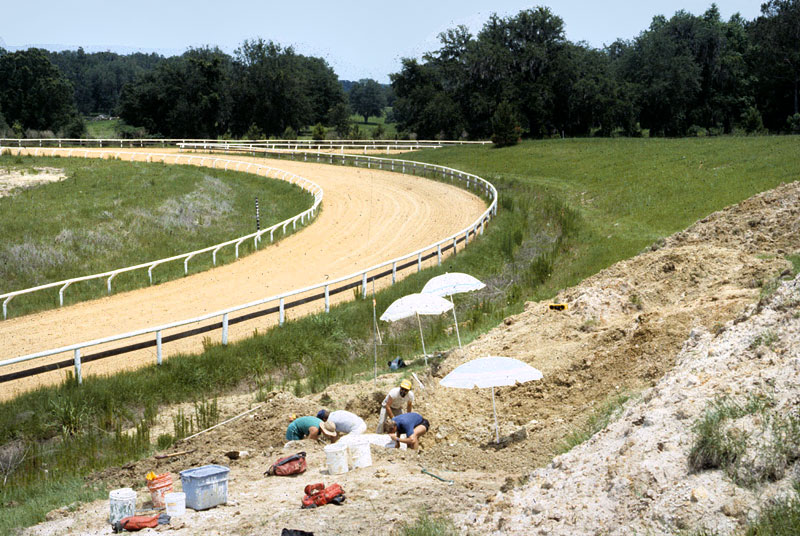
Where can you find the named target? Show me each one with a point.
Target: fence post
(419, 262)
(364, 287)
(225, 329)
(78, 366)
(158, 347)
(439, 254)
(61, 295)
(394, 272)
(327, 300)
(455, 243)
(280, 313)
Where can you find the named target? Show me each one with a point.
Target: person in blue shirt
(413, 425)
(303, 427)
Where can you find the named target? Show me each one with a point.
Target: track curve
(368, 216)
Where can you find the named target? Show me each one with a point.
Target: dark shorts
(426, 424)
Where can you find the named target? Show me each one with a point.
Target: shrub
(426, 525)
(355, 133)
(126, 131)
(505, 126)
(289, 134)
(696, 131)
(793, 122)
(253, 133)
(318, 132)
(751, 121)
(165, 441)
(715, 446)
(780, 519)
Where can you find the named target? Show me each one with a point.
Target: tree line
(519, 76)
(686, 75)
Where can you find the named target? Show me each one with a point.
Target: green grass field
(110, 214)
(631, 192)
(568, 208)
(368, 129)
(102, 129)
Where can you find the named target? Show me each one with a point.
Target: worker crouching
(399, 400)
(413, 425)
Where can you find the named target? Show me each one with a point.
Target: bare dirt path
(368, 216)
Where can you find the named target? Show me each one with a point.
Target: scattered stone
(699, 494)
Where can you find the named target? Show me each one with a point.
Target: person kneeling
(340, 422)
(413, 425)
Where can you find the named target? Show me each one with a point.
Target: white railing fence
(365, 145)
(303, 218)
(279, 302)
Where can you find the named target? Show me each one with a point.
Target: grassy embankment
(568, 209)
(110, 214)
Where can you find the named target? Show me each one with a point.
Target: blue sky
(358, 39)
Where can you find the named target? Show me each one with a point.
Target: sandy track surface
(368, 216)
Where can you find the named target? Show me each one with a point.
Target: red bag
(291, 465)
(320, 497)
(134, 523)
(311, 489)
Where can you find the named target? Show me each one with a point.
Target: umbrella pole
(455, 320)
(374, 330)
(423, 340)
(496, 429)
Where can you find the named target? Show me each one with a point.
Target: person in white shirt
(340, 422)
(399, 400)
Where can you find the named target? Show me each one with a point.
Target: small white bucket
(122, 503)
(336, 456)
(360, 454)
(176, 503)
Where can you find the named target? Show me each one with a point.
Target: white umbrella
(449, 284)
(416, 304)
(491, 371)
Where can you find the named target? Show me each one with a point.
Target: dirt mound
(636, 476)
(765, 223)
(622, 332)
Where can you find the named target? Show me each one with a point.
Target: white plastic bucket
(336, 456)
(122, 503)
(176, 503)
(360, 454)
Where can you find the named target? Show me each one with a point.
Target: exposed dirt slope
(623, 331)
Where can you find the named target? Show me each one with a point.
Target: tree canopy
(681, 76)
(367, 98)
(98, 78)
(35, 95)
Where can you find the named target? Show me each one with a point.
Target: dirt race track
(367, 217)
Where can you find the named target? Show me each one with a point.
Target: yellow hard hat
(405, 384)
